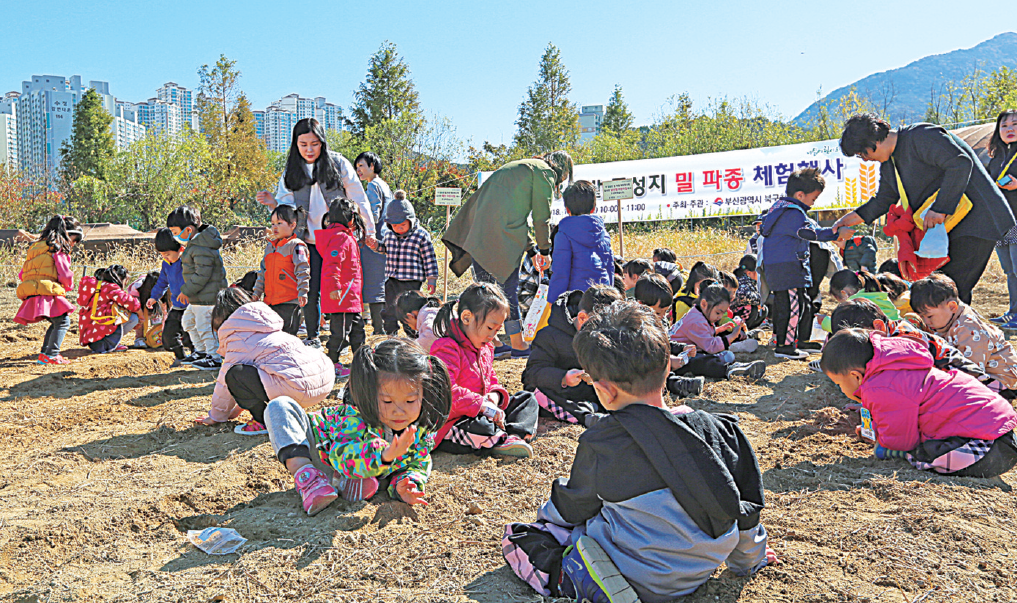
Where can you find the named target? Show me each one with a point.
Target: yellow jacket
(39, 275)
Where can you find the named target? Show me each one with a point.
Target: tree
(91, 144)
(617, 117)
(387, 93)
(547, 120)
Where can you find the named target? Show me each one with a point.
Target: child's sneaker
(208, 364)
(755, 334)
(745, 346)
(502, 351)
(790, 352)
(58, 359)
(313, 342)
(342, 373)
(1004, 318)
(139, 344)
(814, 366)
(588, 574)
(686, 387)
(119, 348)
(251, 428)
(314, 489)
(752, 370)
(811, 346)
(192, 358)
(516, 354)
(356, 490)
(513, 445)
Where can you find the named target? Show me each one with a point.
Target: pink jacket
(695, 329)
(472, 374)
(340, 270)
(253, 336)
(911, 401)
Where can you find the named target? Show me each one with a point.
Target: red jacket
(472, 374)
(88, 330)
(340, 270)
(911, 401)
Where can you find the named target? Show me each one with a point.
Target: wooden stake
(444, 293)
(621, 235)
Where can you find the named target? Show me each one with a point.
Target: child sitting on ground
(714, 357)
(45, 278)
(686, 299)
(936, 300)
(261, 362)
(944, 421)
(787, 230)
(613, 533)
(653, 291)
(552, 371)
(898, 290)
(171, 278)
(342, 279)
(631, 271)
(410, 257)
(204, 277)
(848, 284)
(381, 435)
(285, 275)
(859, 252)
(582, 248)
(746, 303)
(417, 313)
(107, 311)
(483, 415)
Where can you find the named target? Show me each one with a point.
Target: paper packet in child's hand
(867, 431)
(216, 541)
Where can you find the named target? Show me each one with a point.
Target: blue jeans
(54, 338)
(111, 341)
(1007, 255)
(514, 325)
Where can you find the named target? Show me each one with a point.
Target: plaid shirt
(410, 256)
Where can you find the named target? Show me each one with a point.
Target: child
(937, 301)
(657, 498)
(285, 275)
(341, 279)
(410, 259)
(663, 254)
(700, 272)
(892, 266)
(699, 327)
(45, 278)
(552, 371)
(582, 248)
(107, 311)
(483, 415)
(673, 273)
(944, 421)
(261, 362)
(898, 290)
(848, 284)
(204, 276)
(860, 252)
(171, 278)
(653, 291)
(382, 433)
(747, 303)
(787, 231)
(631, 271)
(417, 314)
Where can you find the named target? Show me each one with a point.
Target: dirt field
(102, 472)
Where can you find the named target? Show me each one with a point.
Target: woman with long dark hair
(1003, 171)
(369, 167)
(314, 176)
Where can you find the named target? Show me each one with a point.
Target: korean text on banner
(725, 184)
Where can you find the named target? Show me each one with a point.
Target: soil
(102, 472)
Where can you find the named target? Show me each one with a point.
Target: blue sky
(473, 61)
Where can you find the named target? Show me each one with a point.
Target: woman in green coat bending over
(491, 231)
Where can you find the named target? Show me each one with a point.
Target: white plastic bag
(935, 243)
(534, 316)
(216, 541)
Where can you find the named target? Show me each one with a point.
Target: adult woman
(927, 158)
(314, 176)
(491, 232)
(372, 263)
(1003, 152)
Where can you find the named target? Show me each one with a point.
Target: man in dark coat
(927, 158)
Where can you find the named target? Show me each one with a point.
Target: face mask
(180, 239)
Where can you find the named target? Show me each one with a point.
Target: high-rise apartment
(44, 117)
(9, 130)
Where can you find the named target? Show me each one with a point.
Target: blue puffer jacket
(787, 231)
(582, 255)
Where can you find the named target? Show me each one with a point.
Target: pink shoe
(341, 372)
(513, 445)
(251, 428)
(314, 489)
(58, 359)
(356, 490)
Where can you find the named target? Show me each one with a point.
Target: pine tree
(386, 93)
(617, 118)
(91, 145)
(547, 120)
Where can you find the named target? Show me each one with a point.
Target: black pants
(703, 365)
(345, 328)
(312, 310)
(377, 320)
(244, 383)
(174, 338)
(470, 434)
(392, 290)
(968, 258)
(291, 315)
(819, 264)
(792, 317)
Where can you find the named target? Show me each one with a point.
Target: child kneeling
(610, 532)
(483, 415)
(944, 421)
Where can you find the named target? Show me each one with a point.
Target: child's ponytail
(59, 232)
(850, 281)
(479, 298)
(700, 271)
(443, 319)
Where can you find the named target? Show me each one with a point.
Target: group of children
(932, 374)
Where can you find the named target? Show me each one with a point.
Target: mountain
(908, 88)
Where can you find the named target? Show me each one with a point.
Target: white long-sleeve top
(351, 184)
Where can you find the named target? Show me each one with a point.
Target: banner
(732, 183)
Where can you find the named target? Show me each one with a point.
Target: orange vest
(280, 277)
(39, 275)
